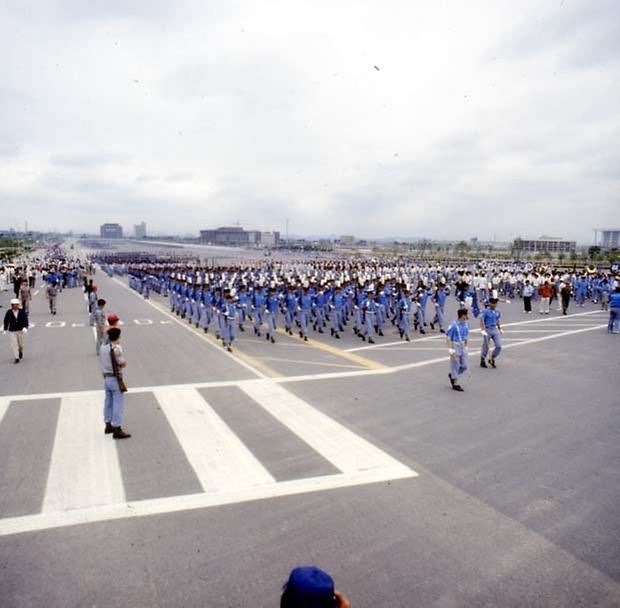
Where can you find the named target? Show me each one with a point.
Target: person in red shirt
(545, 292)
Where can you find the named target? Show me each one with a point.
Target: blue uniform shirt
(458, 331)
(614, 300)
(490, 317)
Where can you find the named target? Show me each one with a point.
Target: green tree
(594, 251)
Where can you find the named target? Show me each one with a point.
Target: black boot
(455, 386)
(118, 433)
(108, 428)
(482, 362)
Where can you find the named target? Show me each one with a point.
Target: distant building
(235, 235)
(270, 239)
(347, 240)
(111, 231)
(610, 239)
(140, 230)
(548, 244)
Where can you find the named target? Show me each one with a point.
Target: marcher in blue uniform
(273, 305)
(229, 314)
(337, 307)
(405, 307)
(491, 330)
(370, 313)
(304, 309)
(259, 300)
(614, 311)
(439, 299)
(320, 301)
(290, 303)
(457, 336)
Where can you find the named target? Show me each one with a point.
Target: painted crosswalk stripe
(221, 461)
(84, 470)
(344, 449)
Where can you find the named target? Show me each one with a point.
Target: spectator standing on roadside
(545, 292)
(112, 357)
(16, 323)
(528, 292)
(566, 292)
(51, 293)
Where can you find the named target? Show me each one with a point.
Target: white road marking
(166, 322)
(45, 521)
(84, 470)
(299, 378)
(4, 406)
(221, 461)
(143, 321)
(409, 366)
(410, 350)
(77, 324)
(344, 449)
(55, 324)
(476, 330)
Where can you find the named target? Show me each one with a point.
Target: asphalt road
(355, 457)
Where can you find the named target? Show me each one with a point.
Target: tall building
(235, 235)
(111, 231)
(546, 244)
(610, 239)
(140, 230)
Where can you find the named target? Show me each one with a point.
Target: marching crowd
(330, 295)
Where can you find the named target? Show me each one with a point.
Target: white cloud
(483, 118)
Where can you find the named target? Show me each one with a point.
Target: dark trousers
(527, 303)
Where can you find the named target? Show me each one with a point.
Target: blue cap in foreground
(308, 587)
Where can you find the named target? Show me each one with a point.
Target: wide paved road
(355, 457)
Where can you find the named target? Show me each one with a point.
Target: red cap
(112, 318)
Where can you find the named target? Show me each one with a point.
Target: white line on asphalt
(84, 469)
(301, 378)
(344, 449)
(4, 406)
(408, 366)
(188, 328)
(158, 506)
(477, 330)
(221, 461)
(410, 350)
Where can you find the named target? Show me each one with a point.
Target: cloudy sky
(443, 119)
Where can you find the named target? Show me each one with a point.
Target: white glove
(451, 351)
(501, 330)
(484, 333)
(24, 330)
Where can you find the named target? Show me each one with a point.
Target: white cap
(16, 301)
